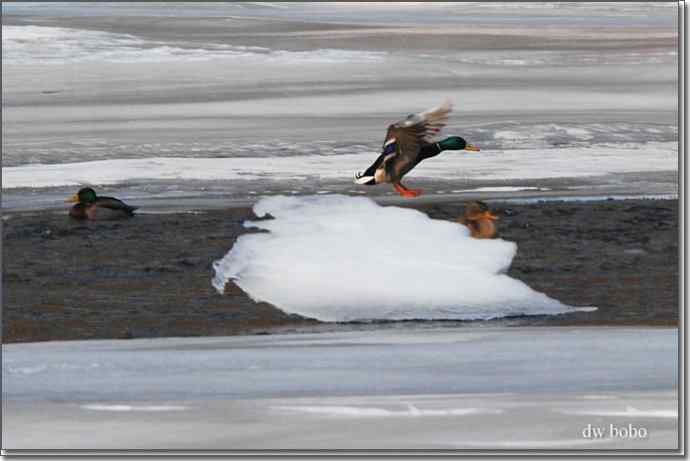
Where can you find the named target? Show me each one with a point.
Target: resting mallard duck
(479, 220)
(407, 143)
(90, 206)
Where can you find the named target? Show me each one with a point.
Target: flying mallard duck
(479, 220)
(407, 143)
(90, 206)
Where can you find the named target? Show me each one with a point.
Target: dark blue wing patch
(390, 146)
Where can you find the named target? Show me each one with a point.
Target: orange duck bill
(488, 215)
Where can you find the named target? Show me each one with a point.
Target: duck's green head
(85, 195)
(457, 143)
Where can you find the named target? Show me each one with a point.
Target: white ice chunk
(339, 258)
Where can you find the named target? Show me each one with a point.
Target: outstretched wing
(405, 139)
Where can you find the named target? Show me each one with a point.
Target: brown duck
(90, 206)
(479, 220)
(407, 143)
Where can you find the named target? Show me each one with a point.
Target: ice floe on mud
(339, 258)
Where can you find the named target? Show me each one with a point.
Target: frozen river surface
(237, 100)
(468, 388)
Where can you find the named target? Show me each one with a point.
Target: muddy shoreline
(150, 276)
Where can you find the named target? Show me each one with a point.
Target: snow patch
(490, 165)
(22, 44)
(629, 412)
(502, 189)
(368, 412)
(122, 408)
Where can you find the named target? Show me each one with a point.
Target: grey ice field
(467, 388)
(212, 105)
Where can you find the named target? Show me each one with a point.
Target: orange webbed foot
(405, 192)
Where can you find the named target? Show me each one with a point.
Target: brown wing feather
(411, 134)
(403, 160)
